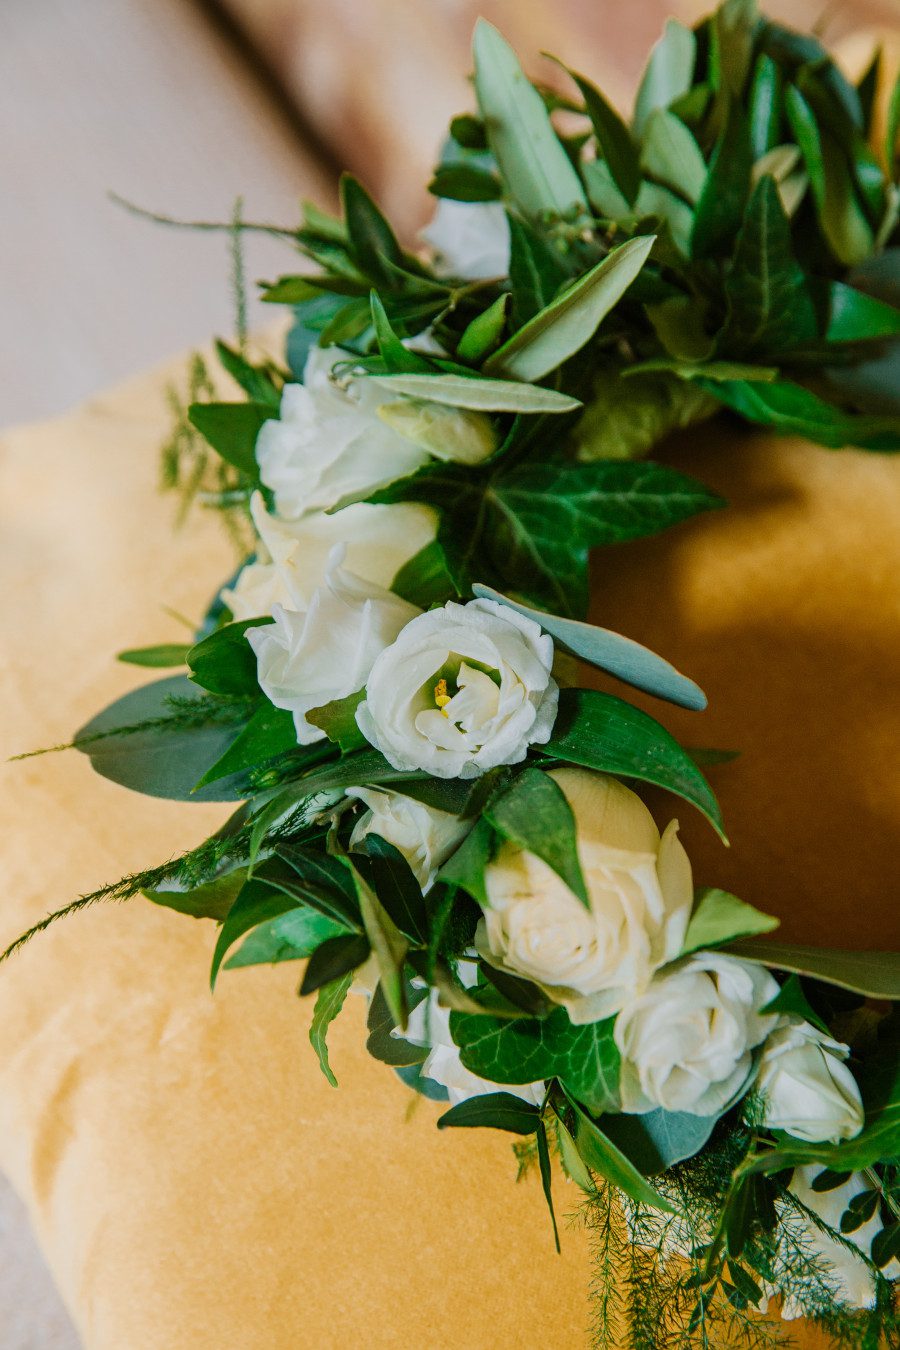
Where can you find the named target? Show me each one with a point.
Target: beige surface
(194, 1180)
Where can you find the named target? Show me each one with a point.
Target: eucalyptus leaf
(657, 1140)
(486, 395)
(536, 170)
(328, 1004)
(602, 732)
(620, 656)
(719, 917)
(562, 329)
(494, 1110)
(534, 814)
(875, 974)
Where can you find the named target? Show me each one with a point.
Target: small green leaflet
(482, 395)
(465, 867)
(256, 381)
(338, 720)
(232, 430)
(534, 814)
(602, 732)
(719, 917)
(572, 319)
(465, 183)
(620, 656)
(536, 170)
(669, 72)
(791, 999)
(875, 974)
(496, 1111)
(165, 655)
(329, 1002)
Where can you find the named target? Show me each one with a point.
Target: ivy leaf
(770, 306)
(875, 974)
(602, 1155)
(536, 170)
(571, 320)
(291, 936)
(794, 411)
(615, 140)
(619, 656)
(328, 1004)
(232, 430)
(269, 733)
(719, 917)
(602, 732)
(534, 814)
(721, 204)
(166, 654)
(669, 72)
(494, 1110)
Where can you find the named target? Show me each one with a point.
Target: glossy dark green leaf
(465, 867)
(338, 720)
(536, 270)
(269, 733)
(495, 1111)
(620, 656)
(465, 183)
(719, 917)
(291, 936)
(601, 1155)
(613, 136)
(211, 900)
(425, 580)
(232, 430)
(224, 662)
(381, 1043)
(765, 106)
(163, 656)
(388, 945)
(720, 207)
(391, 878)
(333, 959)
(328, 1004)
(372, 240)
(668, 73)
(312, 877)
(793, 410)
(602, 732)
(792, 1002)
(534, 814)
(162, 761)
(536, 170)
(256, 903)
(856, 317)
(842, 218)
(543, 1150)
(256, 381)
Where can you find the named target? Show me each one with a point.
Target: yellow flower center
(441, 697)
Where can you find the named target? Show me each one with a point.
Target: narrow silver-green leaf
(672, 156)
(563, 328)
(668, 73)
(461, 391)
(536, 170)
(720, 917)
(875, 974)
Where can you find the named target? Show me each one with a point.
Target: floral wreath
(433, 811)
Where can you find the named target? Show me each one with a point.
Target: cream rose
(469, 239)
(464, 688)
(328, 442)
(687, 1043)
(292, 556)
(425, 836)
(807, 1087)
(640, 889)
(310, 657)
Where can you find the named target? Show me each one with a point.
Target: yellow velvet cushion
(194, 1180)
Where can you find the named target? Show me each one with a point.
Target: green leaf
(620, 656)
(312, 877)
(842, 218)
(794, 411)
(225, 662)
(335, 958)
(456, 434)
(602, 1155)
(536, 270)
(669, 72)
(719, 917)
(770, 306)
(659, 1139)
(484, 332)
(792, 1001)
(495, 1111)
(469, 132)
(526, 1050)
(372, 241)
(484, 395)
(875, 974)
(338, 720)
(601, 732)
(615, 140)
(720, 207)
(535, 168)
(328, 1005)
(671, 212)
(671, 155)
(424, 580)
(568, 322)
(732, 31)
(384, 1046)
(256, 381)
(765, 106)
(391, 878)
(573, 1164)
(703, 370)
(892, 131)
(167, 654)
(388, 944)
(396, 356)
(257, 903)
(211, 900)
(465, 867)
(465, 183)
(543, 1149)
(534, 814)
(623, 419)
(269, 733)
(232, 430)
(291, 936)
(856, 317)
(162, 761)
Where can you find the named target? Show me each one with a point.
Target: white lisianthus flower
(848, 1275)
(687, 1043)
(429, 1024)
(639, 885)
(463, 689)
(328, 443)
(807, 1087)
(469, 239)
(307, 658)
(292, 556)
(424, 835)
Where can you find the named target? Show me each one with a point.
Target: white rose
(425, 836)
(848, 1275)
(640, 889)
(292, 556)
(328, 442)
(464, 688)
(470, 239)
(687, 1043)
(429, 1024)
(808, 1089)
(310, 657)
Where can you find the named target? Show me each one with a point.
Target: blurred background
(183, 106)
